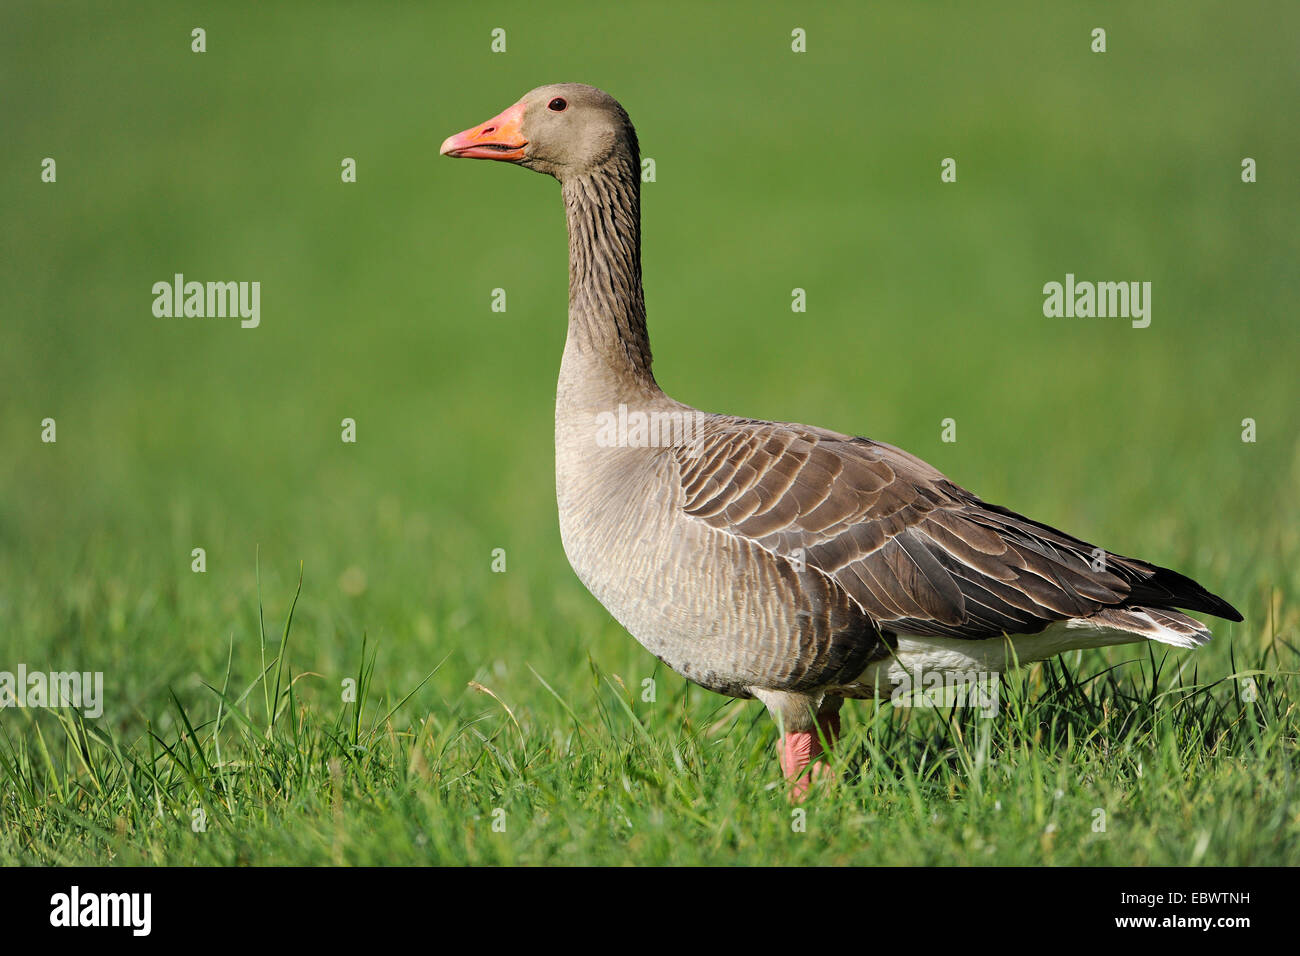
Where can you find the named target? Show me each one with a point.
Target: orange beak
(501, 137)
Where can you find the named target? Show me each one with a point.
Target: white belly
(919, 655)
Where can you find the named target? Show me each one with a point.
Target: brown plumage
(783, 561)
(918, 553)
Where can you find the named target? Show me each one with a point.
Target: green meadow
(349, 681)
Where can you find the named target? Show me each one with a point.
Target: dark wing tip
(1185, 593)
(1226, 610)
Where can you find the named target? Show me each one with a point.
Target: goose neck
(607, 322)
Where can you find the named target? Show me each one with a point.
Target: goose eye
(557, 105)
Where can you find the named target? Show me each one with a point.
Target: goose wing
(920, 554)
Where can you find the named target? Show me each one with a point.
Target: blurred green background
(775, 170)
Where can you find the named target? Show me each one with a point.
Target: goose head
(565, 130)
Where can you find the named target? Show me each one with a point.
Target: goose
(772, 560)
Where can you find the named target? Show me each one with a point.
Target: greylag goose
(783, 562)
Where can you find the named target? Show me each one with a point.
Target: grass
(335, 570)
(1121, 765)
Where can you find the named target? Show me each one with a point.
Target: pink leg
(799, 749)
